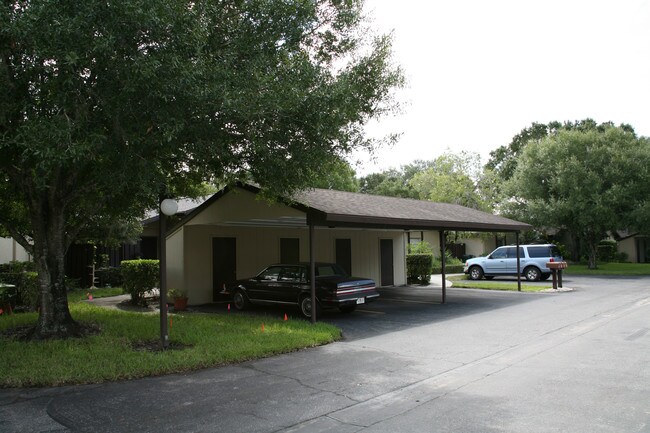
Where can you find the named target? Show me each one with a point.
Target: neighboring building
(11, 251)
(234, 234)
(636, 247)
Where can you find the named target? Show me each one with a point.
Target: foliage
(449, 268)
(139, 277)
(586, 180)
(607, 250)
(418, 268)
(109, 276)
(107, 106)
(393, 182)
(451, 178)
(174, 293)
(340, 176)
(422, 247)
(113, 355)
(25, 292)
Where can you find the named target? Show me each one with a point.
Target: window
(535, 252)
(270, 274)
(290, 274)
(512, 252)
(499, 254)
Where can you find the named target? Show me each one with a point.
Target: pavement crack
(302, 383)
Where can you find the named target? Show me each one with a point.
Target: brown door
(224, 264)
(386, 254)
(344, 254)
(289, 250)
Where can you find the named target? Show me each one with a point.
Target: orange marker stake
(262, 327)
(285, 317)
(171, 322)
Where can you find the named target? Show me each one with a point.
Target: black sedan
(289, 284)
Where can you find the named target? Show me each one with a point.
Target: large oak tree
(586, 180)
(107, 105)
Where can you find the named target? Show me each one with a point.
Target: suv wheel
(475, 273)
(532, 273)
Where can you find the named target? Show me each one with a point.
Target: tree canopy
(452, 178)
(587, 180)
(107, 106)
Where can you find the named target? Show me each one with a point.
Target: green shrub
(25, 291)
(423, 247)
(418, 268)
(139, 277)
(607, 250)
(449, 269)
(109, 277)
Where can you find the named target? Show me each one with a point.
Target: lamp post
(167, 208)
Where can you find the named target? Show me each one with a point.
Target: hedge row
(418, 268)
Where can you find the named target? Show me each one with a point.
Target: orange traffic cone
(285, 317)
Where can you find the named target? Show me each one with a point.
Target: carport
(233, 234)
(337, 209)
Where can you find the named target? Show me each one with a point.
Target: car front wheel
(475, 273)
(532, 274)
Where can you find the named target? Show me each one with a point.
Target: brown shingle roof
(337, 208)
(331, 208)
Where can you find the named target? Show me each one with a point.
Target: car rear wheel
(532, 273)
(240, 300)
(347, 308)
(475, 273)
(306, 307)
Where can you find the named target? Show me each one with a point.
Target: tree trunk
(54, 320)
(592, 256)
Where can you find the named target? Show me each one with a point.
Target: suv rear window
(535, 252)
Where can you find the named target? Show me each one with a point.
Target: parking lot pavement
(483, 362)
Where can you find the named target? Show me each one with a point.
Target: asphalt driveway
(484, 362)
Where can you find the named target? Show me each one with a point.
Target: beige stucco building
(235, 234)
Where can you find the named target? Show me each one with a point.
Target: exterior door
(224, 264)
(386, 258)
(289, 250)
(343, 253)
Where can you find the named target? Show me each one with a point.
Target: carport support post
(162, 241)
(312, 273)
(518, 263)
(443, 263)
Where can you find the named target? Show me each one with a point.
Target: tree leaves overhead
(107, 105)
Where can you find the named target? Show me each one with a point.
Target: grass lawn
(613, 269)
(462, 282)
(120, 350)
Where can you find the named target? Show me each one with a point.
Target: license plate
(361, 300)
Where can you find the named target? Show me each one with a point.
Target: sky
(478, 72)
